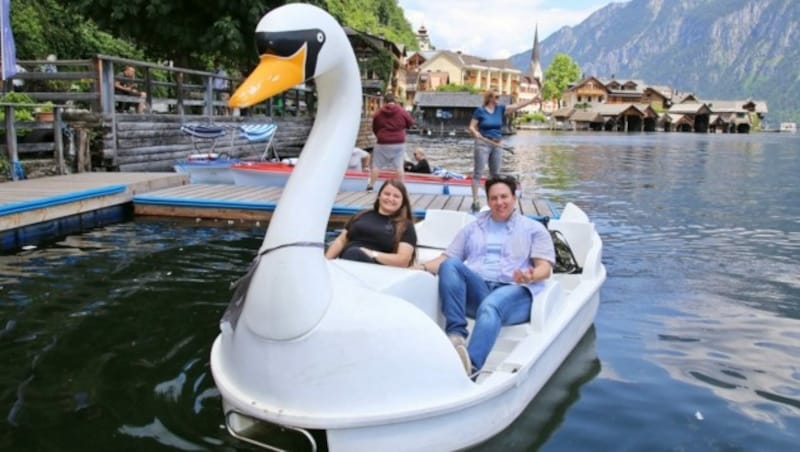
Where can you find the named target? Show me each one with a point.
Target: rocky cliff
(717, 49)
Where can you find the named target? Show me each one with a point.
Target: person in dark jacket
(389, 124)
(420, 163)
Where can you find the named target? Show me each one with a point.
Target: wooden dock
(42, 209)
(231, 202)
(38, 209)
(35, 200)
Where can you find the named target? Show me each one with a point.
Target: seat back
(255, 133)
(439, 227)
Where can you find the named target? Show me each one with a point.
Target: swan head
(292, 41)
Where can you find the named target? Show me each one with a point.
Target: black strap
(286, 245)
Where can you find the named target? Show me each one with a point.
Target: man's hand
(523, 276)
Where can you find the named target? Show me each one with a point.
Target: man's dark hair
(511, 181)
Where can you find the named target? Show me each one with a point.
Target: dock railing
(89, 85)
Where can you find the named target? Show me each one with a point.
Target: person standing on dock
(389, 124)
(486, 126)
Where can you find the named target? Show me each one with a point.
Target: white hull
(458, 414)
(206, 173)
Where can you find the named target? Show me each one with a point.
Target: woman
(486, 126)
(383, 235)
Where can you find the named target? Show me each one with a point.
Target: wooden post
(83, 157)
(11, 142)
(58, 141)
(148, 90)
(179, 93)
(209, 97)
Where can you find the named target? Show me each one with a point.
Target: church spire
(536, 57)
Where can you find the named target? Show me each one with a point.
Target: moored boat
(355, 351)
(275, 174)
(209, 168)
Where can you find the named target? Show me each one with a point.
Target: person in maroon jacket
(389, 125)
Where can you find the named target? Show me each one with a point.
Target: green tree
(185, 31)
(558, 76)
(456, 87)
(42, 27)
(193, 33)
(377, 17)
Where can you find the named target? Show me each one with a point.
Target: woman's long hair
(402, 217)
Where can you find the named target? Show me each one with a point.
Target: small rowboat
(207, 168)
(275, 174)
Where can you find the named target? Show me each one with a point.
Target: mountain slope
(717, 49)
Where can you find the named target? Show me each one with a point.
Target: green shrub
(20, 113)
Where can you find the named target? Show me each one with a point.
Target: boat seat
(545, 305)
(203, 132)
(439, 227)
(256, 133)
(417, 287)
(507, 354)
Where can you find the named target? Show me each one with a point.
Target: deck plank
(170, 194)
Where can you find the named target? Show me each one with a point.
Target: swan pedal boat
(275, 174)
(354, 355)
(395, 382)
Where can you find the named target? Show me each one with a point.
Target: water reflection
(547, 410)
(745, 356)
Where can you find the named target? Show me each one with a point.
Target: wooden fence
(86, 102)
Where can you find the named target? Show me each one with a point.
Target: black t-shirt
(376, 232)
(420, 167)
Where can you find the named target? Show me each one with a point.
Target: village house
(593, 103)
(641, 107)
(370, 50)
(447, 113)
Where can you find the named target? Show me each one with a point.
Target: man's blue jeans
(492, 305)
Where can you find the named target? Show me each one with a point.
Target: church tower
(424, 40)
(536, 58)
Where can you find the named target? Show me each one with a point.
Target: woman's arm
(337, 246)
(510, 109)
(402, 258)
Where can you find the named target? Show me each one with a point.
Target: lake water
(105, 336)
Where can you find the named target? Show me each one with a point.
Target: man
(491, 271)
(389, 125)
(123, 84)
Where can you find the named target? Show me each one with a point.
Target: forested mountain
(717, 49)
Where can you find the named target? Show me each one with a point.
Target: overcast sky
(494, 28)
